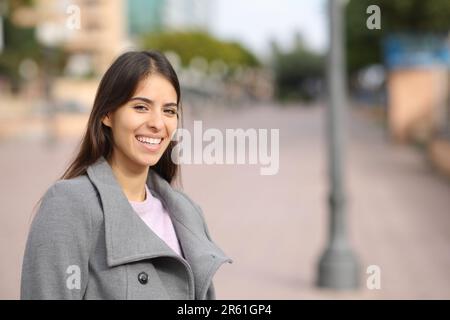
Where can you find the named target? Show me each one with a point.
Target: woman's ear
(107, 120)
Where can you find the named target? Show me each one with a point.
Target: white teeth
(149, 140)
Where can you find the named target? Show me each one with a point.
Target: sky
(255, 22)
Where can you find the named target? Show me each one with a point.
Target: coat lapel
(129, 239)
(203, 255)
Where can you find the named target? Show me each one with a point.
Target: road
(274, 226)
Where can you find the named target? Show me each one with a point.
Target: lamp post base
(338, 269)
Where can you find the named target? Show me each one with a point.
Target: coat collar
(129, 239)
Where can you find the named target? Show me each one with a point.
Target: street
(274, 227)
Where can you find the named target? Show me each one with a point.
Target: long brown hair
(116, 87)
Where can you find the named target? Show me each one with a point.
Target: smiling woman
(138, 95)
(142, 128)
(113, 226)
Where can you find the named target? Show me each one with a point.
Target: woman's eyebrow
(149, 101)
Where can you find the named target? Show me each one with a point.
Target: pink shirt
(152, 212)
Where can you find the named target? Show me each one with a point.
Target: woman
(113, 227)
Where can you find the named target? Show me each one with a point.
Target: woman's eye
(171, 111)
(140, 108)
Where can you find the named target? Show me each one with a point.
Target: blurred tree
(19, 43)
(364, 46)
(197, 43)
(298, 72)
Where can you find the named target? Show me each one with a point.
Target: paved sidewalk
(274, 227)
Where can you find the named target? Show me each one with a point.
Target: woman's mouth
(150, 144)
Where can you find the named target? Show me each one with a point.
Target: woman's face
(142, 128)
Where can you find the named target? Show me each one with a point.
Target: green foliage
(19, 43)
(196, 43)
(364, 46)
(294, 70)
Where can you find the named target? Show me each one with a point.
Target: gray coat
(86, 242)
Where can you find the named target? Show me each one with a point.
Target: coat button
(143, 277)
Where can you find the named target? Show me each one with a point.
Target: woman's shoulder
(76, 188)
(68, 201)
(63, 219)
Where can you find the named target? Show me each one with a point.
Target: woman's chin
(149, 161)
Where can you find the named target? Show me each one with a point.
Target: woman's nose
(155, 120)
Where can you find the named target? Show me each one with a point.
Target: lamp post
(50, 35)
(338, 266)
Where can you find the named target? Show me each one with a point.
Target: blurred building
(417, 83)
(418, 93)
(100, 35)
(106, 26)
(145, 16)
(188, 14)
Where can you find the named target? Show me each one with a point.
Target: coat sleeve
(55, 263)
